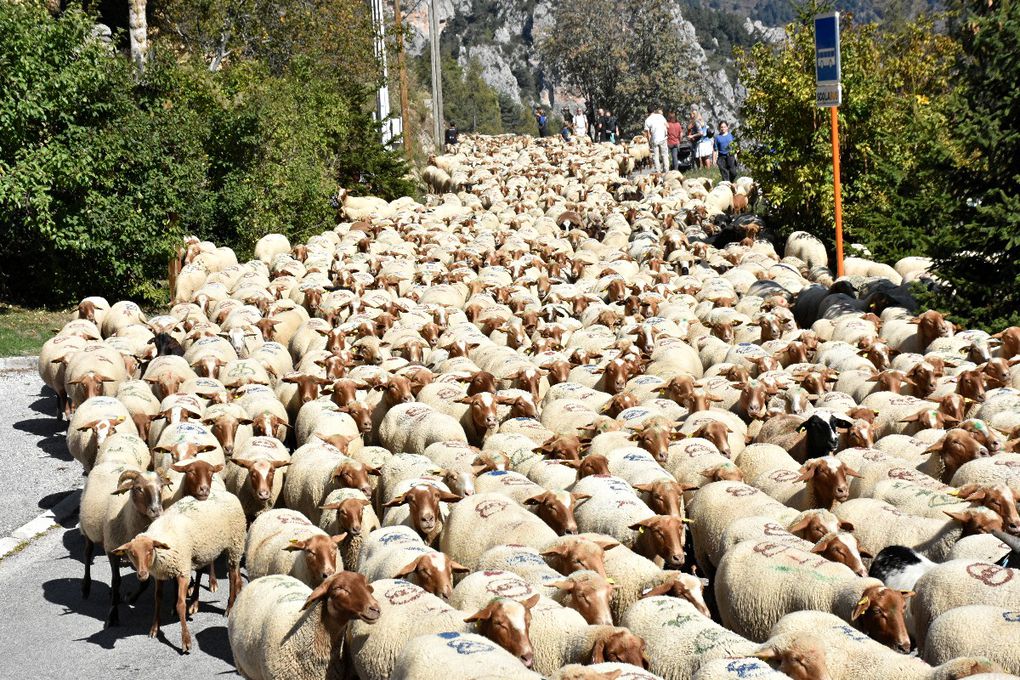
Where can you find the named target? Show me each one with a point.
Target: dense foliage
(102, 173)
(976, 223)
(624, 55)
(929, 144)
(896, 86)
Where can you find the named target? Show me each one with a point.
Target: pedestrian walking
(543, 122)
(674, 131)
(580, 123)
(598, 126)
(725, 153)
(655, 132)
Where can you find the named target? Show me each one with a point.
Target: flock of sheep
(556, 422)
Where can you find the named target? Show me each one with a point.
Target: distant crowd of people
(674, 145)
(668, 138)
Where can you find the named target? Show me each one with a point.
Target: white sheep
(349, 511)
(451, 655)
(482, 521)
(411, 428)
(185, 538)
(285, 542)
(281, 628)
(989, 631)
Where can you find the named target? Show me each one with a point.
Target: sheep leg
(154, 629)
(86, 581)
(193, 604)
(113, 616)
(61, 404)
(182, 612)
(213, 583)
(235, 586)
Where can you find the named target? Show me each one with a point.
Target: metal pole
(437, 77)
(405, 114)
(836, 190)
(382, 99)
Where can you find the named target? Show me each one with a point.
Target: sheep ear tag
(862, 606)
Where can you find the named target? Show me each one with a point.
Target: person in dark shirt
(725, 153)
(543, 121)
(612, 130)
(451, 135)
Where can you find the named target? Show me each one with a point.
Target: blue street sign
(827, 67)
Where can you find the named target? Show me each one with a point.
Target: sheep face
(319, 554)
(880, 614)
(507, 623)
(434, 573)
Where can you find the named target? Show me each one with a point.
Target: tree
(468, 100)
(139, 31)
(623, 55)
(976, 212)
(893, 124)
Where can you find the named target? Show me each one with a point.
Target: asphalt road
(46, 629)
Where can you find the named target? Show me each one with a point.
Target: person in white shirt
(580, 123)
(655, 131)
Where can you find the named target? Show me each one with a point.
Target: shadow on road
(214, 641)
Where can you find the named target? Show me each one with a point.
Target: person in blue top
(542, 121)
(725, 155)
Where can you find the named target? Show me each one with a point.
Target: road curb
(67, 507)
(18, 363)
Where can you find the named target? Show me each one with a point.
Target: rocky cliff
(502, 36)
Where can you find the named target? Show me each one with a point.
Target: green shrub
(102, 174)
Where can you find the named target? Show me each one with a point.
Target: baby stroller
(685, 156)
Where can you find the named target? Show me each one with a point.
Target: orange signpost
(834, 111)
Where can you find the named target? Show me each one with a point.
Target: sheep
(613, 508)
(119, 501)
(680, 638)
(285, 542)
(957, 583)
(405, 611)
(457, 656)
(92, 422)
(801, 580)
(411, 428)
(189, 536)
(255, 475)
(988, 631)
(851, 655)
(398, 552)
(479, 522)
(806, 248)
(349, 511)
(878, 524)
(315, 470)
(281, 628)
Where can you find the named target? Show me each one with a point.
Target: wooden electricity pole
(405, 115)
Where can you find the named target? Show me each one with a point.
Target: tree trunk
(138, 28)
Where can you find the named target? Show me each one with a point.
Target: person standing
(697, 134)
(655, 133)
(598, 125)
(674, 131)
(612, 130)
(580, 123)
(452, 137)
(725, 153)
(543, 122)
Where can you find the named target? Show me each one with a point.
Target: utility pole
(382, 100)
(405, 114)
(437, 77)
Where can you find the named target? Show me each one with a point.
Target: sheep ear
(661, 589)
(846, 526)
(800, 524)
(294, 545)
(531, 601)
(958, 516)
(580, 497)
(408, 568)
(338, 539)
(447, 497)
(458, 567)
(161, 545)
(480, 615)
(598, 652)
(122, 550)
(768, 654)
(907, 593)
(395, 502)
(555, 551)
(567, 585)
(807, 471)
(850, 472)
(320, 592)
(860, 608)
